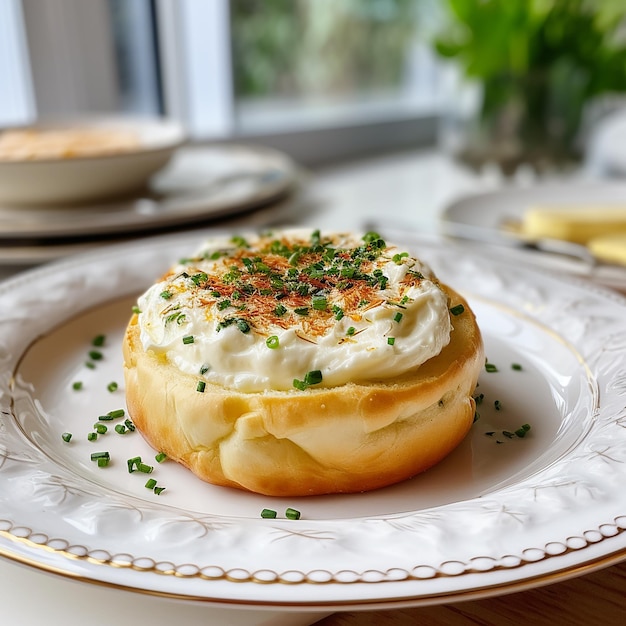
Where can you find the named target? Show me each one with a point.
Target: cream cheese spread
(296, 308)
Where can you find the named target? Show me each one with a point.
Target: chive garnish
(313, 377)
(95, 355)
(272, 342)
(166, 295)
(391, 341)
(77, 386)
(101, 429)
(497, 405)
(66, 437)
(120, 429)
(457, 310)
(516, 366)
(136, 310)
(100, 455)
(398, 316)
(159, 490)
(151, 483)
(268, 514)
(92, 436)
(112, 386)
(201, 386)
(117, 413)
(160, 457)
(292, 513)
(133, 464)
(490, 367)
(187, 339)
(144, 468)
(351, 331)
(103, 462)
(98, 340)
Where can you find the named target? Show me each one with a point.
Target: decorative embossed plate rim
(558, 513)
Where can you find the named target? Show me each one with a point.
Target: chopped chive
(116, 413)
(92, 436)
(497, 405)
(268, 514)
(159, 490)
(521, 432)
(320, 303)
(90, 365)
(299, 384)
(490, 367)
(205, 368)
(301, 310)
(516, 366)
(101, 429)
(100, 455)
(103, 461)
(313, 377)
(129, 425)
(151, 483)
(95, 355)
(391, 341)
(105, 418)
(398, 316)
(133, 464)
(160, 457)
(272, 342)
(243, 326)
(457, 310)
(144, 468)
(479, 398)
(201, 386)
(120, 429)
(66, 437)
(508, 433)
(187, 339)
(292, 513)
(351, 331)
(77, 386)
(135, 309)
(166, 295)
(280, 310)
(98, 340)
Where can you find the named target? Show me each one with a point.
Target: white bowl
(46, 179)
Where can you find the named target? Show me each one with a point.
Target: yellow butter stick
(609, 248)
(577, 224)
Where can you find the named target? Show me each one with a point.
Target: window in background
(316, 78)
(303, 63)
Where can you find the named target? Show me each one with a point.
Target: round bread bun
(344, 439)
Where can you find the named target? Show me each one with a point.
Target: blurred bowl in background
(84, 159)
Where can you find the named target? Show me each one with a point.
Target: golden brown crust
(356, 437)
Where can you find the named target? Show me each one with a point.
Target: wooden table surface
(596, 598)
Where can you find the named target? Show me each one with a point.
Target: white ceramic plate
(500, 514)
(201, 183)
(497, 210)
(84, 178)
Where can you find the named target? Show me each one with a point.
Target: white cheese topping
(254, 314)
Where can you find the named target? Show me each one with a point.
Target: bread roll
(315, 437)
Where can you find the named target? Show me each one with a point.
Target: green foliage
(316, 47)
(549, 56)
